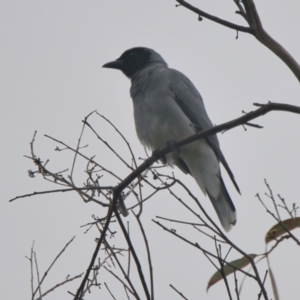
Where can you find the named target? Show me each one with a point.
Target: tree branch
(259, 32)
(264, 109)
(255, 28)
(215, 19)
(135, 257)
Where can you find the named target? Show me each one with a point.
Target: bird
(168, 107)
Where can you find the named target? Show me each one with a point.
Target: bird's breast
(158, 119)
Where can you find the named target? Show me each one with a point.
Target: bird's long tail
(224, 207)
(199, 160)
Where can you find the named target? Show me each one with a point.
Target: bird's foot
(155, 157)
(173, 146)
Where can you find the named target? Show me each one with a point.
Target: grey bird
(168, 107)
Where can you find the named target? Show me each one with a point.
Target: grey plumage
(167, 107)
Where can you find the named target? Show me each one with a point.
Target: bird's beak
(116, 64)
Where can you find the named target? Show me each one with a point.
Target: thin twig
(179, 222)
(221, 270)
(119, 279)
(65, 190)
(107, 145)
(109, 291)
(122, 136)
(278, 219)
(224, 237)
(60, 284)
(51, 265)
(37, 274)
(264, 280)
(134, 255)
(129, 253)
(179, 293)
(148, 256)
(214, 19)
(31, 269)
(78, 144)
(96, 251)
(83, 156)
(132, 290)
(236, 286)
(211, 237)
(241, 10)
(196, 245)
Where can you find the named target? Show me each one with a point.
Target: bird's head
(135, 60)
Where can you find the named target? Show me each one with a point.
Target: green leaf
(278, 230)
(229, 268)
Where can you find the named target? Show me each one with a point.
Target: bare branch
(221, 270)
(106, 144)
(37, 274)
(96, 251)
(196, 245)
(179, 293)
(60, 284)
(264, 280)
(117, 190)
(46, 273)
(214, 19)
(259, 32)
(78, 144)
(255, 28)
(63, 191)
(236, 286)
(148, 255)
(109, 291)
(83, 156)
(122, 136)
(134, 255)
(132, 290)
(264, 109)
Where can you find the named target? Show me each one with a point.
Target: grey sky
(51, 78)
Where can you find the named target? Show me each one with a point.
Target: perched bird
(168, 107)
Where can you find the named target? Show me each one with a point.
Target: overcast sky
(51, 78)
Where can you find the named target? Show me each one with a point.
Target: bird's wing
(190, 101)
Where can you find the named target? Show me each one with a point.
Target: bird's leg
(155, 157)
(173, 146)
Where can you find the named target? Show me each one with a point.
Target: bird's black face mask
(131, 61)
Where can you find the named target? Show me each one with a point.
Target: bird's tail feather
(224, 207)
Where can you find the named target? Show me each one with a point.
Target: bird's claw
(155, 157)
(173, 146)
